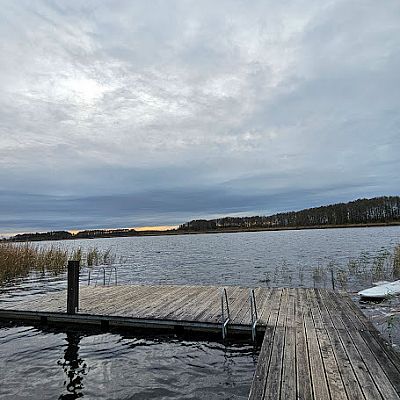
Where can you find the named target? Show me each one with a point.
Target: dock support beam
(73, 287)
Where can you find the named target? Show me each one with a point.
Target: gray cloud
(127, 113)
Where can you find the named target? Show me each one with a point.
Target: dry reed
(18, 260)
(363, 270)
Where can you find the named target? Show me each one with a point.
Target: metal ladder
(225, 321)
(104, 270)
(226, 318)
(254, 314)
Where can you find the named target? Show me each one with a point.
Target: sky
(139, 113)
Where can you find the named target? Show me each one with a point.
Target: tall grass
(364, 270)
(93, 256)
(18, 260)
(396, 262)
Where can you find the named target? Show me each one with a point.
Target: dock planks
(163, 306)
(317, 344)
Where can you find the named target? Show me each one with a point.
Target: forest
(378, 210)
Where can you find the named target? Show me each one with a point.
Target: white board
(382, 291)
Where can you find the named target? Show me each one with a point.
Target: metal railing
(226, 317)
(254, 314)
(225, 321)
(103, 271)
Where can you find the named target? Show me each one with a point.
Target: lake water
(38, 363)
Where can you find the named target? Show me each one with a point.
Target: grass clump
(396, 262)
(92, 256)
(18, 260)
(361, 271)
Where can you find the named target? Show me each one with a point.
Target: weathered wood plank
(274, 375)
(333, 377)
(196, 296)
(257, 389)
(350, 382)
(168, 300)
(318, 377)
(188, 312)
(372, 332)
(169, 304)
(360, 369)
(200, 313)
(289, 381)
(241, 305)
(378, 375)
(265, 307)
(260, 295)
(303, 373)
(214, 311)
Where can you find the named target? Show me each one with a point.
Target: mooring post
(73, 287)
(333, 280)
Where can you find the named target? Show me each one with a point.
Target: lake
(45, 363)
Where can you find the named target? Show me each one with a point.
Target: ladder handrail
(254, 314)
(97, 276)
(113, 268)
(225, 321)
(104, 270)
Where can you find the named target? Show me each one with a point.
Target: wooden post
(73, 287)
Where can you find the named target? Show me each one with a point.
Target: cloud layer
(127, 113)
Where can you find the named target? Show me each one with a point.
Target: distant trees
(362, 211)
(62, 235)
(99, 233)
(53, 235)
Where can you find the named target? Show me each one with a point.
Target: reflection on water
(50, 364)
(74, 368)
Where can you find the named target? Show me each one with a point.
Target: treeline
(358, 212)
(63, 235)
(33, 237)
(105, 233)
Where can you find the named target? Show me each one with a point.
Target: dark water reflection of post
(74, 368)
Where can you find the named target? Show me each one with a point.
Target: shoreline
(216, 231)
(291, 228)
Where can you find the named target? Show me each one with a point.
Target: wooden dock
(189, 308)
(319, 345)
(316, 343)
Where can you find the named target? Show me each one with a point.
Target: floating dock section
(316, 344)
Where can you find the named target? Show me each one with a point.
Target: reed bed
(358, 273)
(18, 260)
(362, 271)
(93, 256)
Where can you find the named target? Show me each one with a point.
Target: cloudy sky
(129, 113)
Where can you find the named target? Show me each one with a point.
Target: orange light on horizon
(136, 228)
(75, 231)
(156, 228)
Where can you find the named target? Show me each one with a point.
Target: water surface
(48, 364)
